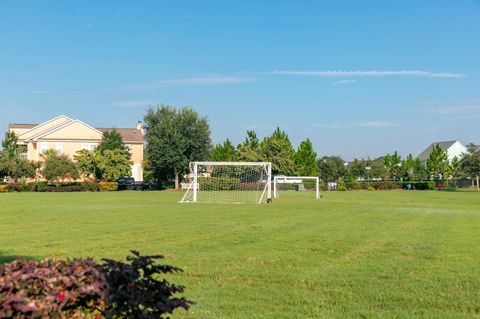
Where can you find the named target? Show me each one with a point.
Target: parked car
(129, 183)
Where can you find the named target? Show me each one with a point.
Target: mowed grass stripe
(355, 254)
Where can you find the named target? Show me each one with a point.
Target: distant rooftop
(423, 156)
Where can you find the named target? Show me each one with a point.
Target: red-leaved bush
(82, 288)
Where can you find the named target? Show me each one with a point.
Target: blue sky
(359, 78)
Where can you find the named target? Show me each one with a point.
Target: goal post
(278, 180)
(229, 182)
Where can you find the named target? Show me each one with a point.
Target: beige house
(68, 136)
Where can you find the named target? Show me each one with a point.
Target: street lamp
(368, 168)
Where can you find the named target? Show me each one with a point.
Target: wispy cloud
(369, 73)
(134, 103)
(372, 124)
(203, 80)
(344, 82)
(453, 110)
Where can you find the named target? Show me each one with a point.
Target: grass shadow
(5, 259)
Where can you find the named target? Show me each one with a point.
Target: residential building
(453, 148)
(68, 136)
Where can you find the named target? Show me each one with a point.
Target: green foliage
(249, 150)
(358, 169)
(305, 159)
(112, 164)
(223, 152)
(437, 163)
(112, 140)
(341, 186)
(470, 162)
(16, 167)
(9, 144)
(331, 168)
(173, 139)
(278, 150)
(57, 168)
(87, 164)
(393, 164)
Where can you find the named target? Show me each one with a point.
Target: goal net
(229, 182)
(296, 183)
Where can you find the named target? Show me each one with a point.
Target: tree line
(176, 136)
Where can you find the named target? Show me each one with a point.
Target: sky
(359, 78)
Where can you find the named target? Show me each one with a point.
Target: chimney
(140, 126)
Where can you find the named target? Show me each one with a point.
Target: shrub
(3, 188)
(19, 187)
(108, 186)
(51, 289)
(84, 289)
(370, 188)
(90, 187)
(137, 290)
(431, 185)
(341, 185)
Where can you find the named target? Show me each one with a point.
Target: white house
(453, 148)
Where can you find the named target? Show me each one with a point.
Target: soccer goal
(229, 182)
(300, 183)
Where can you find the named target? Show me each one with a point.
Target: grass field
(352, 254)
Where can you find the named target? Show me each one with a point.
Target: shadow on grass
(4, 259)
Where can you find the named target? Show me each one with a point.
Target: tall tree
(173, 139)
(249, 150)
(9, 144)
(112, 140)
(306, 159)
(470, 162)
(224, 152)
(437, 163)
(112, 164)
(278, 150)
(393, 164)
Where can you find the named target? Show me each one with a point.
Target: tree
(9, 144)
(412, 169)
(278, 150)
(87, 164)
(58, 167)
(223, 152)
(249, 150)
(112, 140)
(437, 163)
(305, 159)
(112, 164)
(470, 162)
(454, 169)
(393, 164)
(173, 139)
(331, 168)
(12, 165)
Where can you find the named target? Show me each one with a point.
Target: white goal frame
(194, 186)
(294, 180)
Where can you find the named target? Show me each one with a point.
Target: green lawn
(351, 254)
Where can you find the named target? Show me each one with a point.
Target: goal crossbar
(294, 180)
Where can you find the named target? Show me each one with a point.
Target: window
(43, 148)
(89, 146)
(59, 148)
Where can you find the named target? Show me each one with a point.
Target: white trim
(233, 163)
(45, 123)
(59, 146)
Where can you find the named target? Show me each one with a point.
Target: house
(68, 136)
(453, 148)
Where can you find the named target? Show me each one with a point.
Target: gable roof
(80, 124)
(129, 135)
(425, 154)
(44, 126)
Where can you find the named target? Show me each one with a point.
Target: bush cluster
(44, 187)
(108, 186)
(84, 289)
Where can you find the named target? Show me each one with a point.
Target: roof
(425, 154)
(20, 125)
(129, 135)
